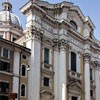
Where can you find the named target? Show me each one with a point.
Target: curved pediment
(84, 19)
(48, 41)
(46, 95)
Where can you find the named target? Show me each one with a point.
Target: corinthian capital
(56, 44)
(63, 44)
(87, 57)
(36, 32)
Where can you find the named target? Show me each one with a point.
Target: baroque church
(56, 57)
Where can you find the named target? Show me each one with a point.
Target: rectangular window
(1, 36)
(73, 61)
(74, 98)
(14, 39)
(91, 74)
(2, 97)
(23, 70)
(4, 66)
(4, 87)
(46, 81)
(46, 55)
(91, 93)
(5, 53)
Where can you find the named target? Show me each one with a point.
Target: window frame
(46, 82)
(24, 65)
(74, 97)
(24, 55)
(1, 36)
(48, 59)
(4, 96)
(74, 25)
(2, 53)
(91, 93)
(4, 90)
(8, 70)
(50, 81)
(71, 62)
(21, 90)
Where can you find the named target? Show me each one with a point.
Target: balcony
(92, 84)
(47, 66)
(75, 75)
(93, 98)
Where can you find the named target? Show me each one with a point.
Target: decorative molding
(34, 33)
(86, 57)
(75, 42)
(47, 95)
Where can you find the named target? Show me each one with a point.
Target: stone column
(8, 36)
(62, 72)
(87, 76)
(56, 70)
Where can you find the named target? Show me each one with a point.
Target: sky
(88, 7)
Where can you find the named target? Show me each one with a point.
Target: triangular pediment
(75, 85)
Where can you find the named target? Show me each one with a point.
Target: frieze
(37, 19)
(47, 27)
(75, 42)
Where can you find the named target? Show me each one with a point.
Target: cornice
(89, 22)
(78, 11)
(14, 45)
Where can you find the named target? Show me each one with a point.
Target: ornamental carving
(60, 44)
(36, 32)
(72, 40)
(47, 95)
(87, 57)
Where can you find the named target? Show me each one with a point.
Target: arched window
(22, 90)
(74, 25)
(73, 61)
(23, 70)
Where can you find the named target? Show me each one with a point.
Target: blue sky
(89, 8)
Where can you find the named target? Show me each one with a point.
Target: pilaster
(87, 76)
(34, 78)
(56, 69)
(62, 71)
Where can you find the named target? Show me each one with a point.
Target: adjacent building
(59, 47)
(13, 57)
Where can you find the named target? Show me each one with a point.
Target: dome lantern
(6, 6)
(10, 25)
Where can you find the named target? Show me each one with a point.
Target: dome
(6, 16)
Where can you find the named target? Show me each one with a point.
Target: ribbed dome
(6, 16)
